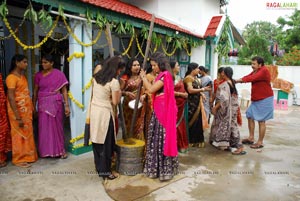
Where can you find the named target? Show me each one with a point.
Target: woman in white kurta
(105, 96)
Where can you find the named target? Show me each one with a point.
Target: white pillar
(87, 63)
(77, 117)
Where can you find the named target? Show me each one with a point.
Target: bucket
(130, 157)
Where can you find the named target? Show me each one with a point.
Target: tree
(289, 37)
(265, 29)
(259, 36)
(223, 45)
(256, 46)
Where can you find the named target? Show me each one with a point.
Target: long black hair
(109, 70)
(229, 73)
(162, 61)
(173, 63)
(129, 66)
(192, 66)
(48, 57)
(14, 60)
(202, 68)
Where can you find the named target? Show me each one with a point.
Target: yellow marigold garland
(87, 86)
(75, 139)
(79, 41)
(75, 54)
(129, 45)
(79, 145)
(166, 53)
(155, 48)
(80, 105)
(24, 46)
(186, 49)
(139, 47)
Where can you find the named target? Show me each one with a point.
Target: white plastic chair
(245, 98)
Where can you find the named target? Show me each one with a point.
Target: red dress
(182, 140)
(5, 138)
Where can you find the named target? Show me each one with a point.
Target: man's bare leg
(262, 132)
(251, 127)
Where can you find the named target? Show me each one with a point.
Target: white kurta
(102, 110)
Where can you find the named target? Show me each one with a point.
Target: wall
(194, 15)
(289, 73)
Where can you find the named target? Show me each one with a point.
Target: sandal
(239, 151)
(64, 156)
(3, 164)
(247, 141)
(201, 145)
(256, 146)
(110, 177)
(23, 165)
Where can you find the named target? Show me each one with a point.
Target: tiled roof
(213, 26)
(133, 11)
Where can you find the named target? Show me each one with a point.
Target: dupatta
(166, 111)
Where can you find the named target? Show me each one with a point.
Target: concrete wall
(194, 15)
(289, 73)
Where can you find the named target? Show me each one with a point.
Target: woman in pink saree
(161, 159)
(50, 94)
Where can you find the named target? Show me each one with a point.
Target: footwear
(3, 164)
(110, 177)
(247, 141)
(256, 146)
(183, 151)
(201, 145)
(23, 165)
(239, 153)
(191, 145)
(64, 156)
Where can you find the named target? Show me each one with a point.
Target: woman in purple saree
(50, 95)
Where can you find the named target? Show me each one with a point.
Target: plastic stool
(276, 105)
(283, 104)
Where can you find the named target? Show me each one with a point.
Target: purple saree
(50, 113)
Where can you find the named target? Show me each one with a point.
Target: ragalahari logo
(282, 5)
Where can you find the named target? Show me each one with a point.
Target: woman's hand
(142, 74)
(67, 110)
(214, 110)
(130, 95)
(142, 98)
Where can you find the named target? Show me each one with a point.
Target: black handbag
(87, 132)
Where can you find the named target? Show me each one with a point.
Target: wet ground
(268, 174)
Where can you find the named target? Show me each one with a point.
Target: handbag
(87, 131)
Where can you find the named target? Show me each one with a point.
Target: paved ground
(268, 174)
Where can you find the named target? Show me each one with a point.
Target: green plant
(291, 58)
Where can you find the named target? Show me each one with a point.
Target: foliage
(45, 18)
(3, 10)
(259, 36)
(291, 58)
(290, 32)
(223, 46)
(256, 46)
(265, 29)
(119, 26)
(31, 14)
